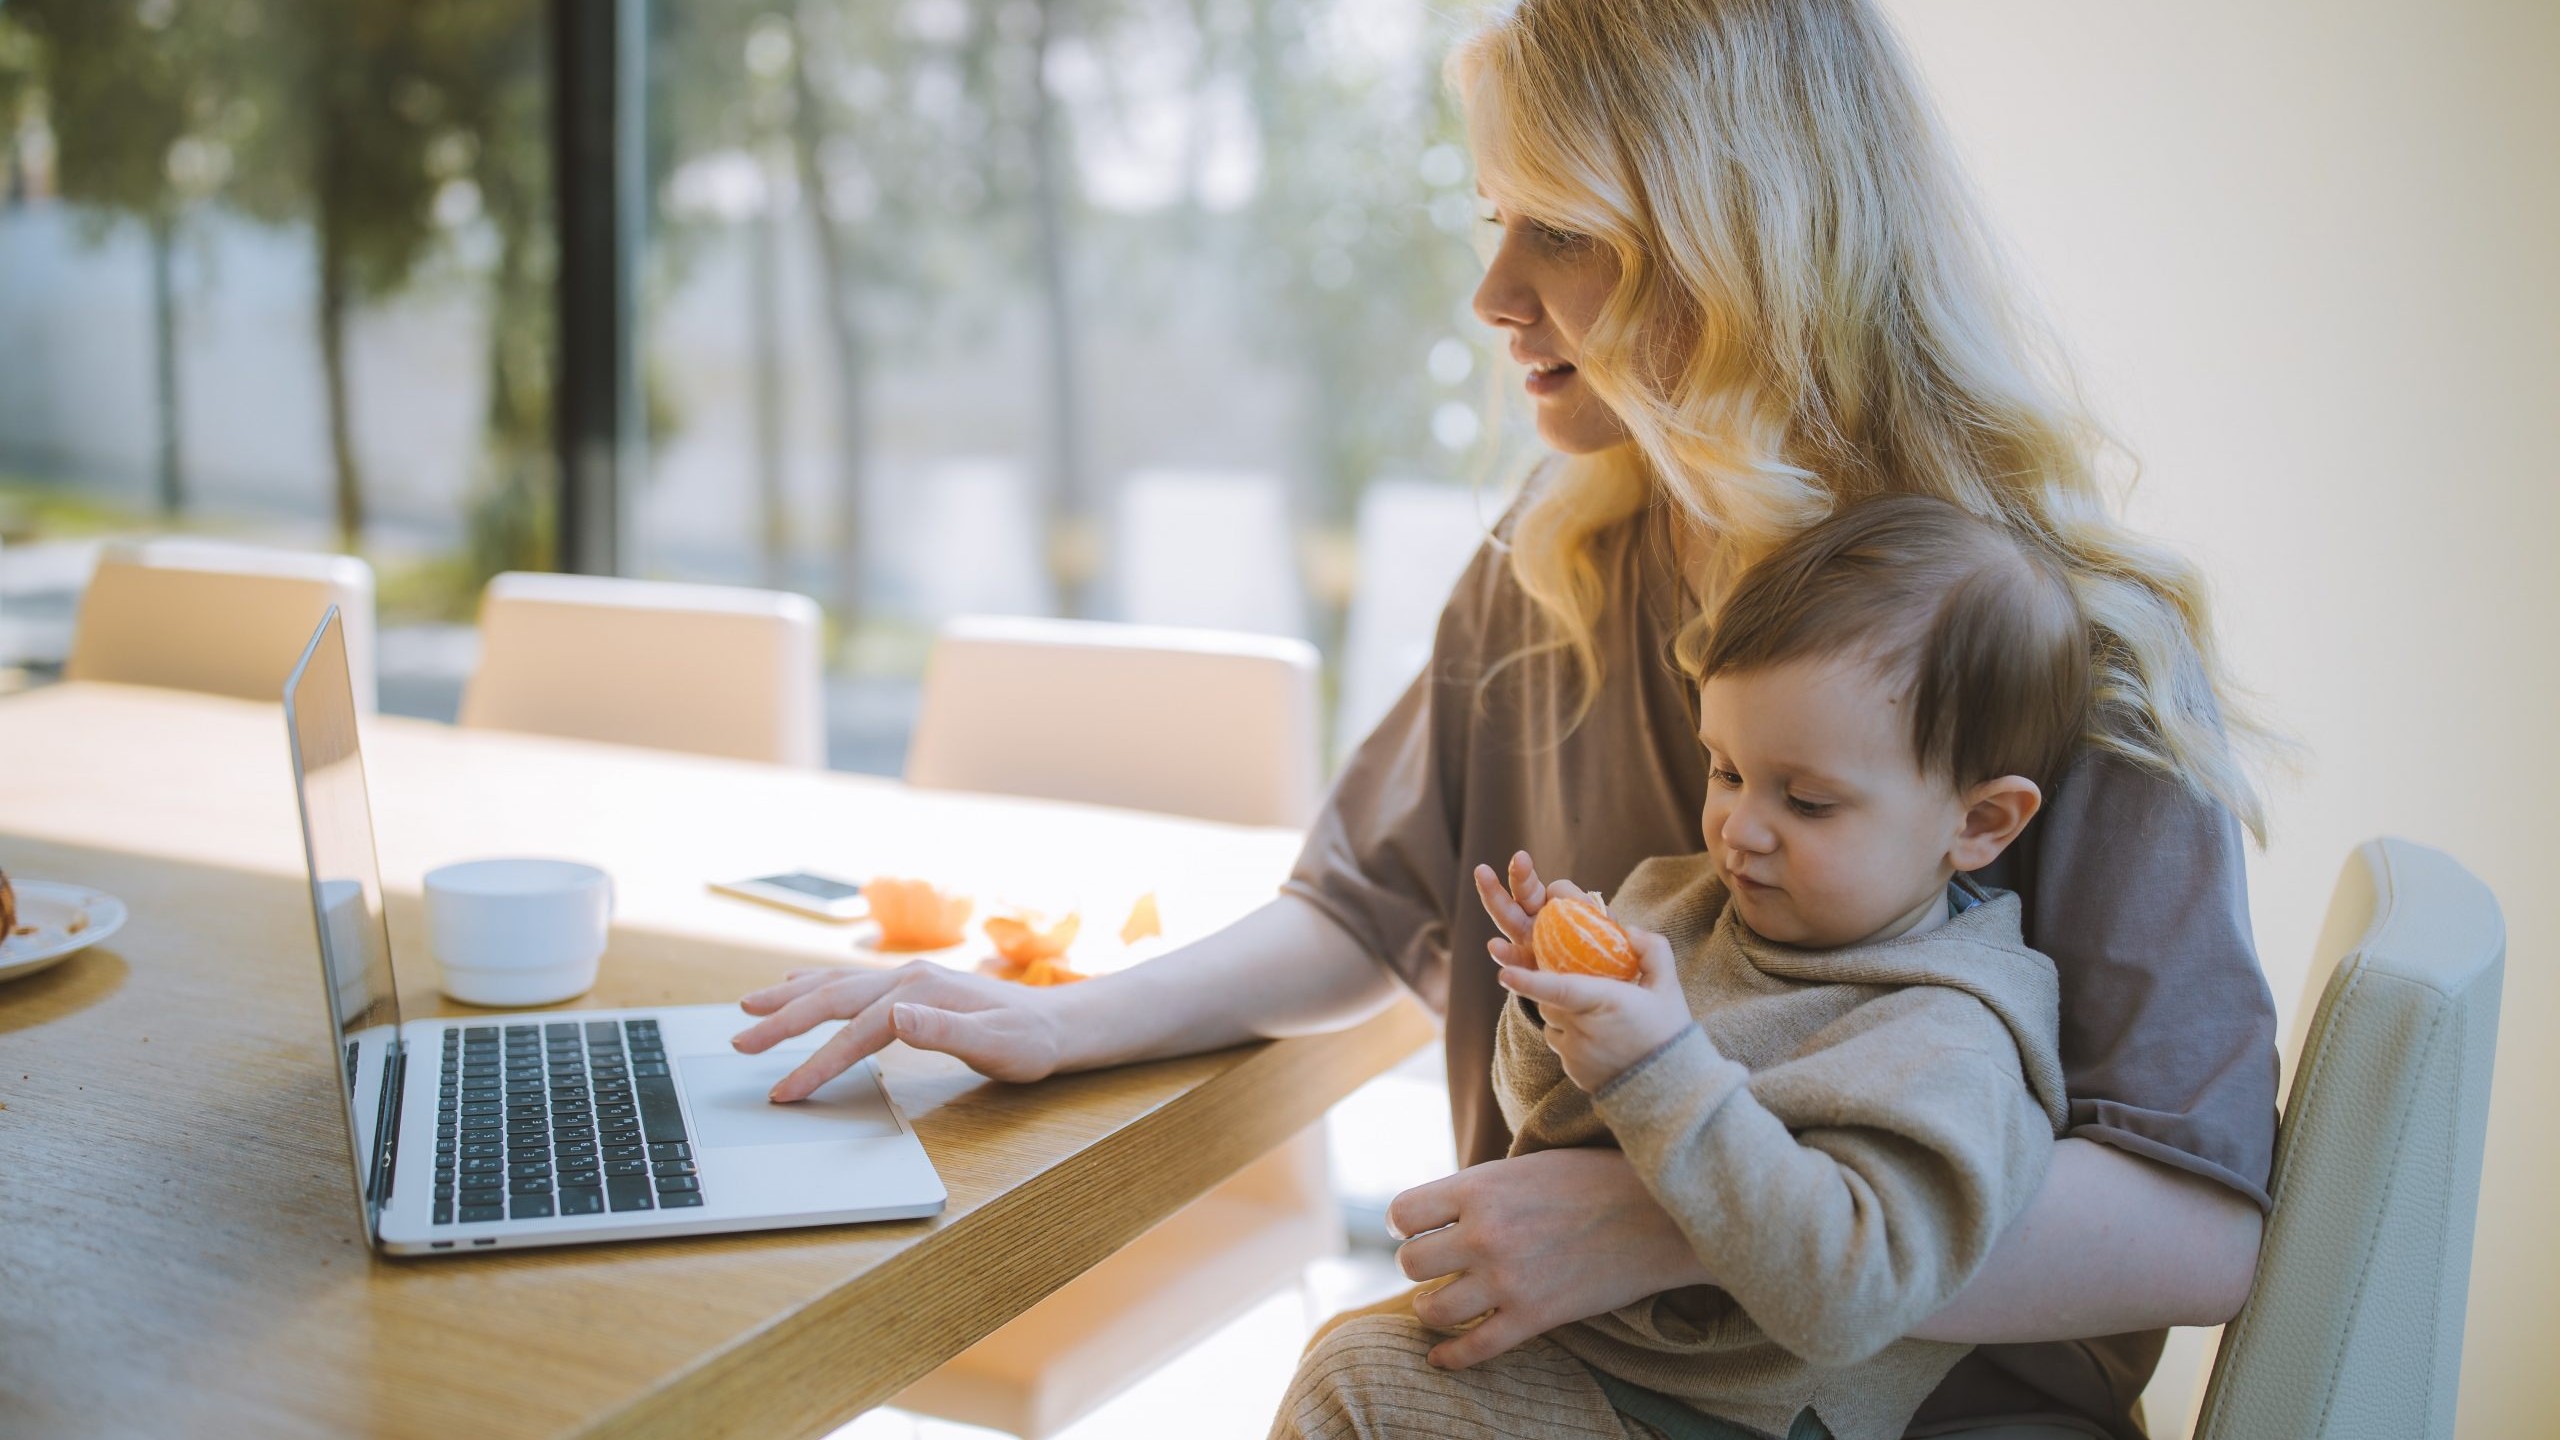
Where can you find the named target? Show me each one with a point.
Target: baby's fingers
(1507, 915)
(1572, 994)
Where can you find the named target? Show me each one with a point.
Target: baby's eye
(1810, 809)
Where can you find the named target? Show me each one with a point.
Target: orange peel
(1144, 922)
(1022, 941)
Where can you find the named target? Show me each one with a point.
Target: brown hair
(1981, 624)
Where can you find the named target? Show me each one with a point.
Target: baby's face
(1818, 816)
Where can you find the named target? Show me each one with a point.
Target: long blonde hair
(1808, 312)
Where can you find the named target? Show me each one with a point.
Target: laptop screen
(346, 904)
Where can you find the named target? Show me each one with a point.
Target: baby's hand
(1599, 1027)
(1514, 909)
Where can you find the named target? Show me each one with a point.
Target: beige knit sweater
(1841, 1135)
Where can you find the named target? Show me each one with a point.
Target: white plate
(56, 921)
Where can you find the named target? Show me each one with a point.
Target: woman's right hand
(997, 1028)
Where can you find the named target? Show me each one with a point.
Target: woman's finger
(1435, 1253)
(862, 1036)
(796, 984)
(1425, 1207)
(994, 1042)
(840, 997)
(1454, 1306)
(1498, 1332)
(1507, 915)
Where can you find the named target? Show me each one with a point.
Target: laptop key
(529, 1207)
(671, 1167)
(628, 1194)
(530, 1187)
(679, 1200)
(581, 1200)
(580, 1177)
(471, 1214)
(623, 1152)
(627, 1167)
(444, 1212)
(676, 1184)
(675, 1150)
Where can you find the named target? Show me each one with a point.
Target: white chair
(215, 617)
(1208, 548)
(1204, 723)
(1219, 727)
(1415, 540)
(698, 668)
(2353, 1330)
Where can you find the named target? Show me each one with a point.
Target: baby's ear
(1994, 812)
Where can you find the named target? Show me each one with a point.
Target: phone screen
(815, 886)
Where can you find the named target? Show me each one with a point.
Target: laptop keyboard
(568, 1118)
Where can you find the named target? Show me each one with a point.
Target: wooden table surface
(180, 1251)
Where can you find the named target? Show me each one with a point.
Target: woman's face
(1545, 287)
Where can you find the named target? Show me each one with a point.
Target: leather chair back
(2354, 1329)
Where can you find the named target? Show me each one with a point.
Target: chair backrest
(219, 618)
(2354, 1328)
(1415, 541)
(1208, 548)
(1204, 723)
(700, 668)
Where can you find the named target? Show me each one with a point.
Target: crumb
(24, 930)
(78, 924)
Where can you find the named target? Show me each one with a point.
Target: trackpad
(727, 1095)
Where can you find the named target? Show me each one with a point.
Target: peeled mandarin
(1577, 937)
(913, 915)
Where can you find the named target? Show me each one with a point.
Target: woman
(1747, 285)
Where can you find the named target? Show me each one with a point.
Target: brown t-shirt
(2132, 883)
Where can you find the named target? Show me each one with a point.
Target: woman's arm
(2112, 1243)
(1283, 970)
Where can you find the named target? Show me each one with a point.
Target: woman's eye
(1555, 238)
(1725, 777)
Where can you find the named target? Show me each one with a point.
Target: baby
(1837, 1066)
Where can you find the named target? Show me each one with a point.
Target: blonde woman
(1747, 285)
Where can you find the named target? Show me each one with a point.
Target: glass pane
(276, 271)
(1095, 307)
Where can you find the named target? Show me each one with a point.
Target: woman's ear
(1994, 812)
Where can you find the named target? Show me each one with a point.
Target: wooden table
(179, 1248)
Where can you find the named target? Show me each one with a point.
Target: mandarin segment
(1576, 937)
(1143, 923)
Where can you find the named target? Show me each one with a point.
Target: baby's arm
(1846, 1195)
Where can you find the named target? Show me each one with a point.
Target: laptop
(558, 1128)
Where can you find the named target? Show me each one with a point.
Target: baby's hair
(1981, 626)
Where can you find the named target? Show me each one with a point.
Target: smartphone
(821, 897)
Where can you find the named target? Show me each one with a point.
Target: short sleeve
(1382, 857)
(2136, 886)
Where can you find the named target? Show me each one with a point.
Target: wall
(2304, 254)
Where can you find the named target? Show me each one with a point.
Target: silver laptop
(558, 1128)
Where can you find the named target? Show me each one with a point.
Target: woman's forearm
(1286, 969)
(2112, 1243)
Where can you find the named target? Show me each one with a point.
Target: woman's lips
(1547, 380)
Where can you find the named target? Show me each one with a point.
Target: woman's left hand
(1533, 1243)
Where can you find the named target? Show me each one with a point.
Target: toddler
(1837, 1066)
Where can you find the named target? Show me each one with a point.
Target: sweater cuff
(1669, 1092)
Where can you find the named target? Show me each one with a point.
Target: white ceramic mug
(518, 932)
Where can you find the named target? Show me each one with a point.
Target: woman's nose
(1503, 298)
